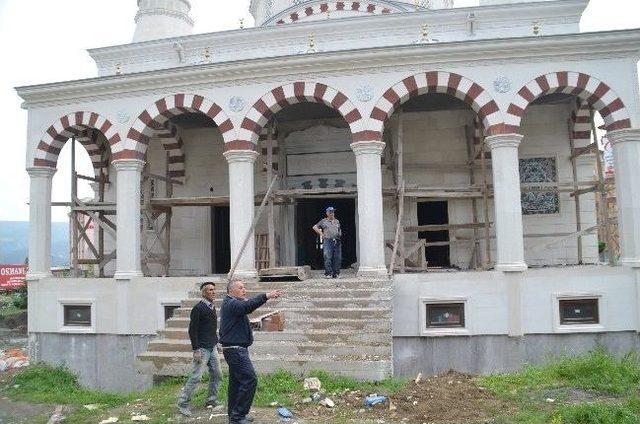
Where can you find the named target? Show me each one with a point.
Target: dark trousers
(332, 251)
(242, 383)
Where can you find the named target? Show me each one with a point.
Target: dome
(279, 12)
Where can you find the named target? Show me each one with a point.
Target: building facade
(457, 143)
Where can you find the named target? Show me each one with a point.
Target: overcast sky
(45, 41)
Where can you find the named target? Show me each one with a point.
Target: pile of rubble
(13, 358)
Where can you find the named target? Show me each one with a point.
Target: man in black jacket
(236, 337)
(203, 332)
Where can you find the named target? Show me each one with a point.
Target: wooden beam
(443, 227)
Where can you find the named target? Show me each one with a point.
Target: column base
(511, 267)
(34, 276)
(127, 275)
(245, 274)
(630, 262)
(375, 272)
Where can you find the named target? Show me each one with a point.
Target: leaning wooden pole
(73, 216)
(256, 218)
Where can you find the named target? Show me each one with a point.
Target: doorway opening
(435, 213)
(308, 213)
(220, 240)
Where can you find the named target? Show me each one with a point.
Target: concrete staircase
(340, 326)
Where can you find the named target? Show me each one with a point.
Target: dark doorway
(220, 240)
(435, 213)
(308, 213)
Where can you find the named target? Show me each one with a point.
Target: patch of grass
(599, 413)
(597, 371)
(44, 384)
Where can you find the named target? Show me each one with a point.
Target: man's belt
(233, 347)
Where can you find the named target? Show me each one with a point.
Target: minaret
(162, 19)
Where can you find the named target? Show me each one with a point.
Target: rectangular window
(77, 315)
(579, 311)
(169, 310)
(445, 315)
(533, 173)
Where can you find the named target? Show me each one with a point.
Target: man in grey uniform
(329, 229)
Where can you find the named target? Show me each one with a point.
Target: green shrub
(20, 299)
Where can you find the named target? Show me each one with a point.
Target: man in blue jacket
(235, 337)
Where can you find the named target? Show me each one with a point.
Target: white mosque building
(460, 145)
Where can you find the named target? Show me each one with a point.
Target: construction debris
(327, 402)
(312, 384)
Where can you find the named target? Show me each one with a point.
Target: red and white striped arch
(297, 92)
(581, 124)
(437, 82)
(154, 118)
(596, 93)
(369, 7)
(172, 142)
(77, 124)
(94, 144)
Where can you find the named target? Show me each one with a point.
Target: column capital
(503, 140)
(41, 172)
(233, 156)
(367, 147)
(128, 164)
(624, 135)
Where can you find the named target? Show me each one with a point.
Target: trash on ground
(140, 418)
(373, 400)
(284, 412)
(109, 420)
(327, 402)
(312, 383)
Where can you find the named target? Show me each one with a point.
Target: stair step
(319, 300)
(377, 325)
(283, 348)
(292, 312)
(341, 283)
(358, 366)
(322, 336)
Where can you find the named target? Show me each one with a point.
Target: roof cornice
(624, 43)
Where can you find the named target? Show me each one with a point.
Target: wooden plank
(399, 229)
(299, 272)
(576, 199)
(579, 151)
(442, 227)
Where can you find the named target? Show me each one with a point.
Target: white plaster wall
(546, 135)
(486, 296)
(119, 307)
(205, 169)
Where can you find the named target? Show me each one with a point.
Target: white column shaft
(626, 151)
(40, 222)
(241, 209)
(370, 219)
(128, 173)
(507, 202)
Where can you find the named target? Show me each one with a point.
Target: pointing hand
(274, 294)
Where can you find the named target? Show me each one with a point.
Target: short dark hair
(206, 283)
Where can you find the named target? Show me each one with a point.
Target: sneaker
(214, 404)
(184, 410)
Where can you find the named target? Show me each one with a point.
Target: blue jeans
(211, 360)
(242, 383)
(332, 251)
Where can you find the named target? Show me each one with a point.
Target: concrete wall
(489, 354)
(101, 361)
(484, 345)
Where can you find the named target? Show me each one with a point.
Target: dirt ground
(449, 398)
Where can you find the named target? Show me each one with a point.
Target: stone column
(507, 203)
(370, 223)
(40, 222)
(128, 174)
(241, 209)
(626, 153)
